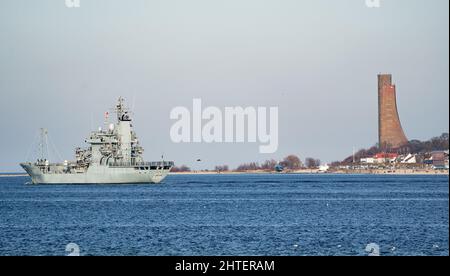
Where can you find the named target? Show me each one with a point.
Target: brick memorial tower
(390, 131)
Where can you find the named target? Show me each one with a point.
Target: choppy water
(229, 215)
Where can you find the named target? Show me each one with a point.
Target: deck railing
(143, 164)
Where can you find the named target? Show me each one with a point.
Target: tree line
(439, 143)
(290, 162)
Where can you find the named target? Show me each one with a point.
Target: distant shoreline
(314, 172)
(339, 172)
(12, 174)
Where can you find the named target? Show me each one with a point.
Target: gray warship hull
(98, 175)
(113, 156)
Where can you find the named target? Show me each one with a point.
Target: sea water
(268, 214)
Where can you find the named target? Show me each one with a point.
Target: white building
(409, 159)
(324, 168)
(368, 160)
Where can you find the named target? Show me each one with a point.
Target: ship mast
(122, 111)
(124, 131)
(43, 143)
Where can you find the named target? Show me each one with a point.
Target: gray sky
(317, 60)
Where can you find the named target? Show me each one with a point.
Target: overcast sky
(317, 60)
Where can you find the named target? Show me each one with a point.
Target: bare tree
(318, 162)
(252, 166)
(310, 162)
(183, 168)
(223, 168)
(269, 165)
(335, 164)
(292, 162)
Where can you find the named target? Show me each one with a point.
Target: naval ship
(113, 156)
